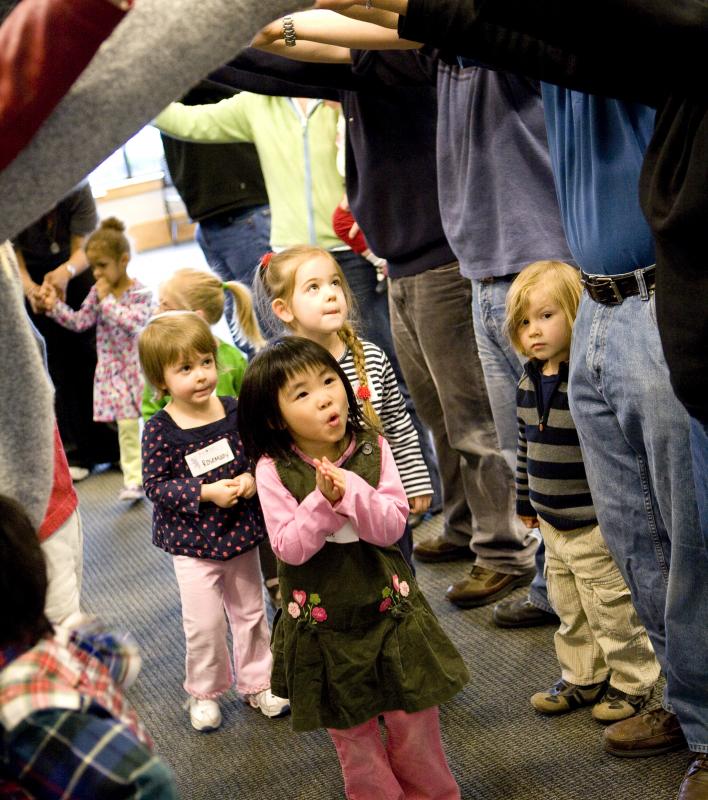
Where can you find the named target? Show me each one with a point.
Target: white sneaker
(269, 704)
(130, 494)
(79, 473)
(205, 715)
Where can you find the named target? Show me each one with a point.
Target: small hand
(59, 279)
(245, 484)
(103, 288)
(330, 480)
(420, 504)
(34, 298)
(529, 522)
(48, 296)
(222, 493)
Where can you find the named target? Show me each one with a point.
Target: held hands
(330, 480)
(226, 492)
(420, 504)
(529, 522)
(58, 279)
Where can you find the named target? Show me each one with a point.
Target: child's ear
(124, 259)
(282, 310)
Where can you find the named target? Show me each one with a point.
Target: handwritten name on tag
(209, 457)
(344, 535)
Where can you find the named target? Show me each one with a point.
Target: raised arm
(227, 121)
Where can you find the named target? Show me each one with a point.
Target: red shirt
(63, 500)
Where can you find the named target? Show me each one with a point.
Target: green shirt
(297, 155)
(231, 363)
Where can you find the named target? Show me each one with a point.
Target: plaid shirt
(68, 731)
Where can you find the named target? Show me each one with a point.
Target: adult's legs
(503, 367)
(635, 439)
(432, 325)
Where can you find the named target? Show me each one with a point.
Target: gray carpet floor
(497, 746)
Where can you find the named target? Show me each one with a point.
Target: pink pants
(412, 765)
(208, 588)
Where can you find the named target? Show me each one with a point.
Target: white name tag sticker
(344, 535)
(210, 457)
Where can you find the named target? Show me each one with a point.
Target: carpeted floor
(498, 747)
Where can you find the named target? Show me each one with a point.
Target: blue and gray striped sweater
(550, 474)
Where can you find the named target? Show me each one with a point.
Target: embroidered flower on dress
(394, 597)
(308, 608)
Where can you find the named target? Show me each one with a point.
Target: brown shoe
(695, 782)
(648, 734)
(439, 549)
(483, 586)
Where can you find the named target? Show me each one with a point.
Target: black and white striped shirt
(389, 404)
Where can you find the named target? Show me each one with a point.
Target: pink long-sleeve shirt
(298, 531)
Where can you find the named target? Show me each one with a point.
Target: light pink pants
(411, 766)
(208, 588)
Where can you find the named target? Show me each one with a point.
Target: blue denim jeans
(431, 319)
(233, 250)
(503, 367)
(635, 439)
(374, 324)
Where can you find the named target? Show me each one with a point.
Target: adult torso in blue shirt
(597, 147)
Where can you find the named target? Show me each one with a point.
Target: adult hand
(33, 293)
(59, 279)
(48, 296)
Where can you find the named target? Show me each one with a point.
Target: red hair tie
(363, 393)
(265, 260)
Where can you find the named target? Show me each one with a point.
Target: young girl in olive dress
(355, 638)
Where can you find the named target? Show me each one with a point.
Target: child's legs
(243, 599)
(129, 443)
(208, 667)
(579, 653)
(612, 617)
(365, 766)
(416, 755)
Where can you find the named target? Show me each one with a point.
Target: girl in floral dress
(355, 638)
(119, 306)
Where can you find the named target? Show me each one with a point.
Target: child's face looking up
(318, 306)
(315, 408)
(192, 380)
(106, 267)
(544, 332)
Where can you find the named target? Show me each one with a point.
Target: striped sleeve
(398, 429)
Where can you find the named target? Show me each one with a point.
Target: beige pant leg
(129, 443)
(610, 613)
(579, 654)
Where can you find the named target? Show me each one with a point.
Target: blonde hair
(275, 279)
(110, 238)
(167, 339)
(199, 290)
(560, 280)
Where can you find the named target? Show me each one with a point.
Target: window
(140, 156)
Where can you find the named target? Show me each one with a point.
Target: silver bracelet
(289, 31)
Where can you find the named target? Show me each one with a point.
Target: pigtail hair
(353, 342)
(245, 313)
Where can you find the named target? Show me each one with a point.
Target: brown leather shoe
(483, 586)
(439, 549)
(648, 734)
(695, 782)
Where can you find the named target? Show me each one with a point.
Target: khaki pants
(600, 633)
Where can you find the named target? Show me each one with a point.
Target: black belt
(613, 289)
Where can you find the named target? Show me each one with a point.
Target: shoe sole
(500, 594)
(282, 713)
(639, 753)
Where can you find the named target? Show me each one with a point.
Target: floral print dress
(118, 381)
